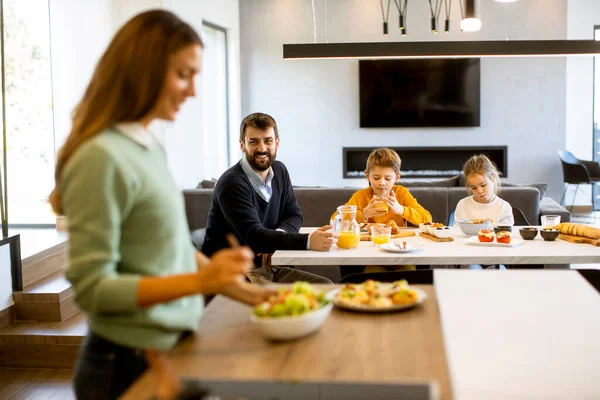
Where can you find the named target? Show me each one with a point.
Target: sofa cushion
(541, 187)
(207, 184)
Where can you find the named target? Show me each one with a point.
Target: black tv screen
(419, 93)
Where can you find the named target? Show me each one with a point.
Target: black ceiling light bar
(441, 49)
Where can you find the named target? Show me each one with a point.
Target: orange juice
(383, 207)
(348, 240)
(380, 239)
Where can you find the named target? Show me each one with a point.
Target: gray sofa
(319, 203)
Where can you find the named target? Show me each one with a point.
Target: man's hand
(393, 204)
(373, 209)
(321, 239)
(224, 268)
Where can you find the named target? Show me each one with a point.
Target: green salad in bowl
(294, 312)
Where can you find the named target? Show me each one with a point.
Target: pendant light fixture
(448, 9)
(435, 13)
(385, 16)
(469, 21)
(402, 15)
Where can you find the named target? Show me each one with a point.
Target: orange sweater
(413, 211)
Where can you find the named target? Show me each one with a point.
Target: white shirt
(137, 132)
(498, 211)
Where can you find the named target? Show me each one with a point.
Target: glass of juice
(380, 234)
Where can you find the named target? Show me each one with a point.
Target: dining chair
(578, 172)
(419, 276)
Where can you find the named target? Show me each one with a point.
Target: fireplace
(425, 162)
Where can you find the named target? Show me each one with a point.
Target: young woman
(132, 263)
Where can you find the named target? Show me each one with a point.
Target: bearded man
(255, 200)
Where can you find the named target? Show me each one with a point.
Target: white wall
(5, 278)
(77, 44)
(188, 146)
(582, 16)
(316, 102)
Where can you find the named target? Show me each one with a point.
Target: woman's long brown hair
(127, 80)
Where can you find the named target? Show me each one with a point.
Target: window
(215, 100)
(29, 111)
(596, 125)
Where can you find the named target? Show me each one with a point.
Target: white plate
(514, 242)
(392, 248)
(421, 294)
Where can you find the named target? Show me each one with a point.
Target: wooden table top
(350, 347)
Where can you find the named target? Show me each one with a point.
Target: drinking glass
(380, 234)
(549, 221)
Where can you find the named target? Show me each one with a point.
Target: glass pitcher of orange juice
(345, 228)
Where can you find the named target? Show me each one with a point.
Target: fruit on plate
(503, 237)
(296, 300)
(485, 235)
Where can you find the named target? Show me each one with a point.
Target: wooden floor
(39, 384)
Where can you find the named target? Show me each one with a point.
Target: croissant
(570, 228)
(394, 226)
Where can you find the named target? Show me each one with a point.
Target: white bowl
(473, 229)
(442, 233)
(423, 227)
(292, 327)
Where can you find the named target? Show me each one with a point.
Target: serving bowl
(528, 232)
(294, 326)
(442, 233)
(471, 229)
(502, 228)
(549, 234)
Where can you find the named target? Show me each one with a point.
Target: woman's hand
(374, 208)
(223, 269)
(393, 204)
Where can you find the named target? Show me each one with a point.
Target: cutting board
(579, 239)
(365, 237)
(435, 238)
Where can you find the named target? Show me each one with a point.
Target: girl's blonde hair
(480, 164)
(127, 81)
(384, 157)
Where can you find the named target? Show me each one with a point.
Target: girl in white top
(483, 183)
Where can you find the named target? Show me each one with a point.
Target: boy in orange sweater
(383, 200)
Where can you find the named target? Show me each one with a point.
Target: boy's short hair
(384, 157)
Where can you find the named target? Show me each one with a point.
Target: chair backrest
(574, 171)
(451, 218)
(568, 157)
(519, 217)
(422, 277)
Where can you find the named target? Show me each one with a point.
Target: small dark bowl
(528, 233)
(502, 228)
(549, 235)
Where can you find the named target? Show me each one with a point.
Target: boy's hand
(373, 209)
(395, 207)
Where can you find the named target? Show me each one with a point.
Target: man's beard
(258, 165)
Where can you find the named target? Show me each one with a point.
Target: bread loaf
(570, 228)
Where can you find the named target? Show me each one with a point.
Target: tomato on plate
(503, 237)
(485, 235)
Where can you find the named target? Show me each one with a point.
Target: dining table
(488, 334)
(462, 250)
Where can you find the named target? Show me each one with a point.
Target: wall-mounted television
(419, 93)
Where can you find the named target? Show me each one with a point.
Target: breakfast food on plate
(570, 228)
(296, 300)
(485, 235)
(377, 295)
(503, 237)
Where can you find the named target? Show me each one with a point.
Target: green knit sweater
(126, 220)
